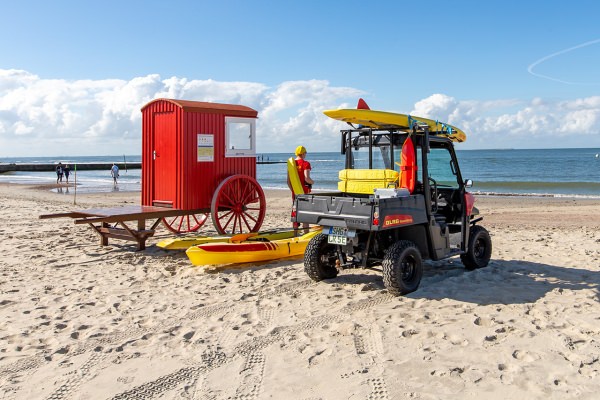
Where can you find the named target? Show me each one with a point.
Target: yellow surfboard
(382, 119)
(294, 177)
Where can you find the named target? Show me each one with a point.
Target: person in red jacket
(304, 169)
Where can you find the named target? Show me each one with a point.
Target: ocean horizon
(571, 172)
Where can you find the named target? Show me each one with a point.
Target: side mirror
(468, 183)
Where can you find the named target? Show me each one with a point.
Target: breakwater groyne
(47, 167)
(44, 167)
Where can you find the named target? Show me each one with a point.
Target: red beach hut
(201, 157)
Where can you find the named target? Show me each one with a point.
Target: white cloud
(59, 117)
(504, 123)
(55, 117)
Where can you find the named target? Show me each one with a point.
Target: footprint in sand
(526, 356)
(483, 321)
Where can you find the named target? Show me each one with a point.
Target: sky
(511, 74)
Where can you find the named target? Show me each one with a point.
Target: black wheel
(319, 259)
(402, 267)
(479, 250)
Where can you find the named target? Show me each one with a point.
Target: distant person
(59, 173)
(304, 169)
(114, 171)
(67, 172)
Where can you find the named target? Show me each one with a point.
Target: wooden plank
(74, 214)
(124, 232)
(129, 213)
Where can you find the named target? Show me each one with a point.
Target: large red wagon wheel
(185, 223)
(238, 205)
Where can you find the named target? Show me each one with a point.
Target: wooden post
(141, 227)
(104, 237)
(75, 195)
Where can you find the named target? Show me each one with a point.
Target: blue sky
(73, 74)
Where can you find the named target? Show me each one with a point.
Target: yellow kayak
(249, 251)
(187, 242)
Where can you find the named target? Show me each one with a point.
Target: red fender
(408, 166)
(469, 202)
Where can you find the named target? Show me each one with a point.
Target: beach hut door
(164, 166)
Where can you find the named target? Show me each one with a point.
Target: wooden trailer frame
(100, 219)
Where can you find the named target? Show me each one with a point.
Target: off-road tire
(402, 268)
(319, 259)
(479, 250)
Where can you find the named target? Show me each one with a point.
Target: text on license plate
(339, 236)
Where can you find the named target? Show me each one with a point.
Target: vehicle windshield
(441, 167)
(381, 158)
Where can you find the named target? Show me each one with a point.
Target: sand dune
(83, 321)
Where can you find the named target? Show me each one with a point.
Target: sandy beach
(83, 321)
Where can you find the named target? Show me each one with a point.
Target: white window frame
(251, 152)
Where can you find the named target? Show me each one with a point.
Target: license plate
(333, 239)
(339, 236)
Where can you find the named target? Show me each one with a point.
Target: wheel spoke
(232, 194)
(229, 220)
(249, 216)
(246, 193)
(239, 219)
(235, 220)
(229, 200)
(228, 206)
(243, 217)
(198, 222)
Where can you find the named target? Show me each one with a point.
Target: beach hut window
(240, 137)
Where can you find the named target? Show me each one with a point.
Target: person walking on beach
(67, 171)
(304, 169)
(59, 172)
(114, 171)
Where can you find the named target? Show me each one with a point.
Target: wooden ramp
(112, 222)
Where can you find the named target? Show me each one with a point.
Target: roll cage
(387, 143)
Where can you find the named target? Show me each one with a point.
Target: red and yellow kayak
(249, 251)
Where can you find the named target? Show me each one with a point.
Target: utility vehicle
(390, 213)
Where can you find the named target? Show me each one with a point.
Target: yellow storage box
(365, 181)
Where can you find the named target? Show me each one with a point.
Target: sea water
(540, 172)
(87, 181)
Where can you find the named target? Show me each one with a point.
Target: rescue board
(250, 251)
(408, 166)
(383, 119)
(187, 242)
(293, 176)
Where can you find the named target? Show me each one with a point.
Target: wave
(532, 194)
(539, 184)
